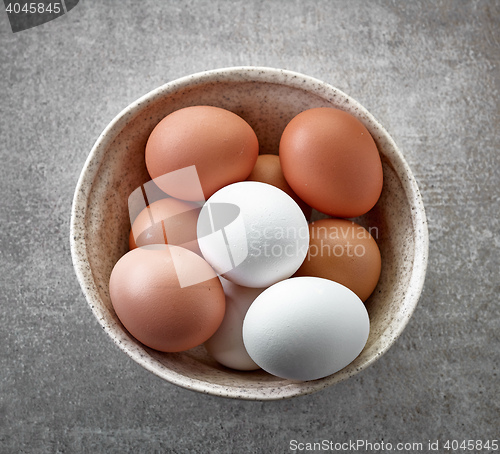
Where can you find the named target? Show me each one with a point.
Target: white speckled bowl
(267, 99)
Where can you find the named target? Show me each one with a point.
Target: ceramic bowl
(267, 99)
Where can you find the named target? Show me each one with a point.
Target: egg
(166, 221)
(267, 169)
(345, 252)
(253, 234)
(331, 161)
(218, 143)
(226, 345)
(305, 328)
(167, 297)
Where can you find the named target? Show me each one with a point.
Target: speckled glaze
(267, 99)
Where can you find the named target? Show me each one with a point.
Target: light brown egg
(167, 297)
(331, 161)
(221, 145)
(267, 169)
(344, 252)
(167, 221)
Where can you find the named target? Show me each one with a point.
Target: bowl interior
(267, 100)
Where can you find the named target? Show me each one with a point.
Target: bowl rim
(253, 74)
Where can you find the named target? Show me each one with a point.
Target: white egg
(253, 234)
(305, 328)
(226, 345)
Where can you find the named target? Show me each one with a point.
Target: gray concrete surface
(428, 71)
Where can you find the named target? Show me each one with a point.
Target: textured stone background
(429, 72)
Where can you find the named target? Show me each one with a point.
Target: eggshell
(345, 252)
(166, 221)
(167, 297)
(305, 328)
(221, 145)
(253, 234)
(226, 345)
(331, 162)
(267, 169)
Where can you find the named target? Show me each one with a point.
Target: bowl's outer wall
(267, 99)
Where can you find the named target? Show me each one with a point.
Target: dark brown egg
(331, 161)
(344, 252)
(220, 144)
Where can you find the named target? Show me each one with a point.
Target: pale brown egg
(220, 144)
(267, 169)
(344, 252)
(167, 297)
(167, 221)
(331, 161)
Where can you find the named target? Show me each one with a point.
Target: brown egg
(331, 162)
(221, 145)
(344, 252)
(268, 170)
(167, 297)
(167, 221)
